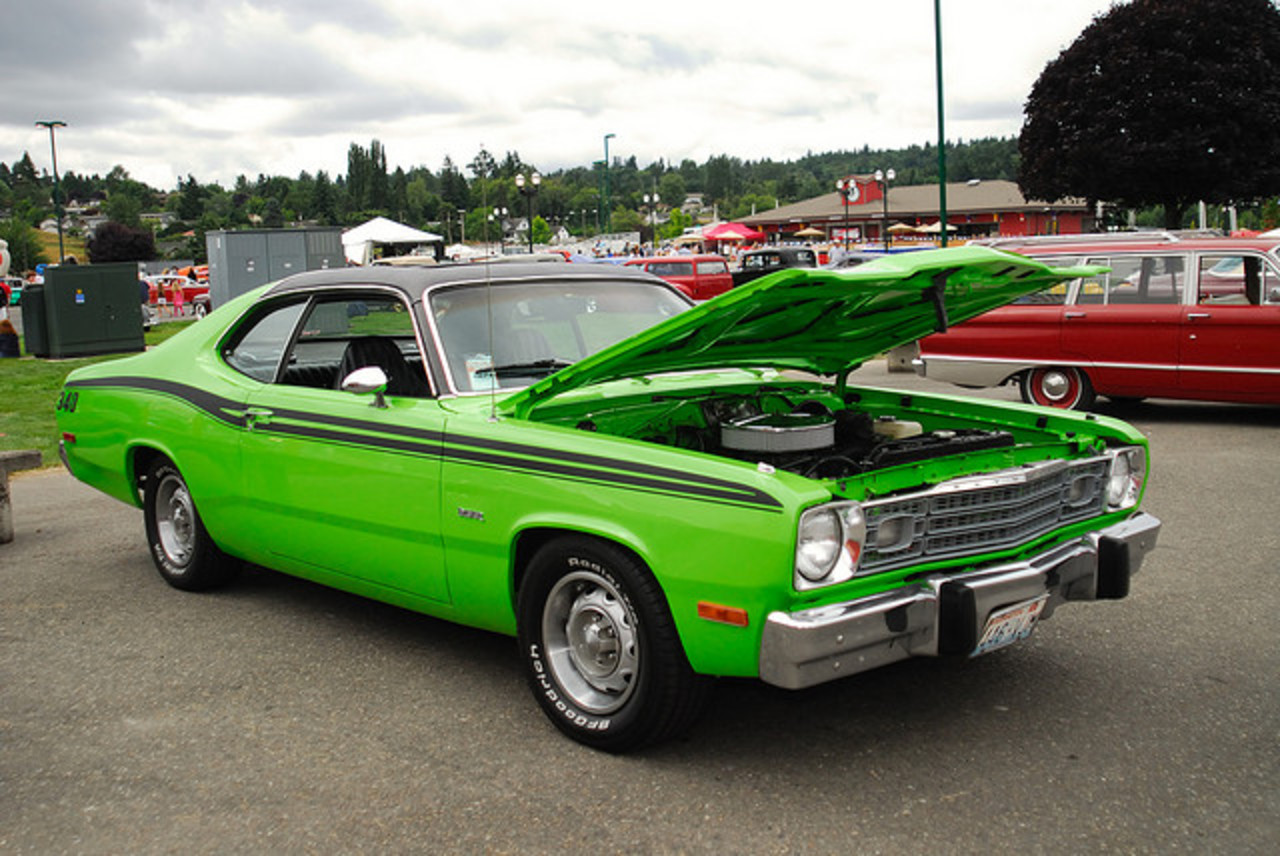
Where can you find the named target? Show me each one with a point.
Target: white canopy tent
(358, 243)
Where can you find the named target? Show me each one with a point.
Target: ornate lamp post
(848, 189)
(652, 200)
(57, 202)
(883, 178)
(529, 190)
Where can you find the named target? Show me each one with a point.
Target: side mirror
(365, 380)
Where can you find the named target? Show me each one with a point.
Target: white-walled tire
(1064, 387)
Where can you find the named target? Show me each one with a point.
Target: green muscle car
(646, 494)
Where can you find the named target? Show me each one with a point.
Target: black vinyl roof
(413, 281)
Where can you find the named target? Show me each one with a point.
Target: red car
(162, 287)
(699, 277)
(1173, 317)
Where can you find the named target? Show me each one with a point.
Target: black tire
(181, 547)
(1064, 387)
(601, 651)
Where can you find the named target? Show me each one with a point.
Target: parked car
(162, 287)
(645, 493)
(1170, 317)
(11, 290)
(698, 277)
(757, 263)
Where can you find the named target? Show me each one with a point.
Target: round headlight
(1119, 483)
(818, 544)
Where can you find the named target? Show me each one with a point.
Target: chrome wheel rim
(591, 642)
(1057, 387)
(175, 520)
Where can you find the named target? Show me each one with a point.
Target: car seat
(383, 352)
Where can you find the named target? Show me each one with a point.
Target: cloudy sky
(218, 89)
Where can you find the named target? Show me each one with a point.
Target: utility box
(242, 261)
(84, 309)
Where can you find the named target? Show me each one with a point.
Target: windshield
(509, 335)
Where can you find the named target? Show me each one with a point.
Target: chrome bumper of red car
(947, 614)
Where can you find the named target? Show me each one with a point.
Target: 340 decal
(67, 400)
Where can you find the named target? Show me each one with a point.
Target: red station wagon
(699, 277)
(1175, 317)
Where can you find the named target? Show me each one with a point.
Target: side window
(1242, 280)
(1156, 279)
(712, 267)
(1054, 295)
(344, 333)
(257, 350)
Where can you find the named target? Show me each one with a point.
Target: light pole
(608, 215)
(942, 136)
(652, 200)
(883, 178)
(500, 215)
(528, 191)
(57, 204)
(848, 190)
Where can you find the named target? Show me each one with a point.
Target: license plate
(1008, 625)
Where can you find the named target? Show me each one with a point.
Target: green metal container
(84, 309)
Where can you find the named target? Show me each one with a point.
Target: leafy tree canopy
(1160, 102)
(116, 242)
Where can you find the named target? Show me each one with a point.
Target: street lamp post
(608, 214)
(883, 178)
(848, 189)
(57, 203)
(500, 215)
(652, 200)
(529, 190)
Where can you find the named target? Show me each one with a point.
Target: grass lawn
(72, 246)
(29, 388)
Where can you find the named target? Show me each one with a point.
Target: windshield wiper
(529, 369)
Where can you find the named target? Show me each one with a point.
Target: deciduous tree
(1160, 102)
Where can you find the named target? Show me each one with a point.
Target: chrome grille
(982, 513)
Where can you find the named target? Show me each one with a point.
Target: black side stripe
(460, 448)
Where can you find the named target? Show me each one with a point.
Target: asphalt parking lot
(280, 717)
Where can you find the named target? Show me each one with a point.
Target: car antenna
(488, 299)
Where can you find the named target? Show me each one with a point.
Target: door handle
(1194, 315)
(1075, 314)
(257, 416)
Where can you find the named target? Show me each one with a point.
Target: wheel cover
(175, 520)
(1055, 387)
(591, 642)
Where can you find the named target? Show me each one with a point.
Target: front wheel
(181, 548)
(602, 653)
(1064, 387)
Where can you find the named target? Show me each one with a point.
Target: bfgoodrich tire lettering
(602, 654)
(180, 546)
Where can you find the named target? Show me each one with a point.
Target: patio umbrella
(935, 227)
(732, 232)
(810, 232)
(902, 229)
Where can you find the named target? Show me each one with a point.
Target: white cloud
(216, 89)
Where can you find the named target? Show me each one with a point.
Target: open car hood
(827, 322)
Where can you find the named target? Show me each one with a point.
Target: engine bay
(806, 436)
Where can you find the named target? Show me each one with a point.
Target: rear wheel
(602, 653)
(181, 548)
(1064, 387)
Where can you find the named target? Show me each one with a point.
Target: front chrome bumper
(944, 613)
